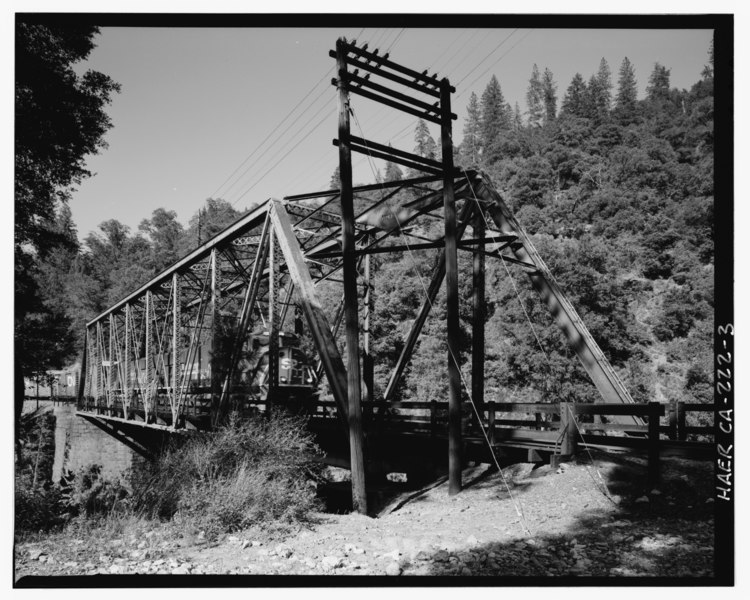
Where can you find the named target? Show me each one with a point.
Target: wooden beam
(367, 188)
(351, 318)
(389, 157)
(359, 64)
(320, 329)
(391, 151)
(361, 81)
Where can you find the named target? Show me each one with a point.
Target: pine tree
(393, 172)
(470, 146)
(549, 88)
(574, 103)
(425, 144)
(517, 119)
(535, 98)
(335, 183)
(658, 84)
(495, 120)
(627, 94)
(604, 77)
(708, 70)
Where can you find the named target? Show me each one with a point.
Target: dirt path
(544, 522)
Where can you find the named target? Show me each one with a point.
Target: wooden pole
(681, 433)
(491, 421)
(654, 412)
(568, 426)
(451, 283)
(477, 337)
(359, 496)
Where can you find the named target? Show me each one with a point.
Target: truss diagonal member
(320, 329)
(424, 310)
(592, 358)
(248, 303)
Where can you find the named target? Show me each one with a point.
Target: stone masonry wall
(86, 445)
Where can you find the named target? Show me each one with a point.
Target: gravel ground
(586, 518)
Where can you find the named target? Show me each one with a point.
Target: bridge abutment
(79, 443)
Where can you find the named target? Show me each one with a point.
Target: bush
(38, 508)
(256, 471)
(92, 495)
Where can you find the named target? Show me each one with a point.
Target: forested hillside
(616, 192)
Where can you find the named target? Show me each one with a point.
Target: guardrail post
(568, 427)
(673, 420)
(654, 412)
(491, 421)
(681, 432)
(433, 418)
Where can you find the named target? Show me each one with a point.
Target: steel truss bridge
(167, 356)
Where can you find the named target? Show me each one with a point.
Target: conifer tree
(470, 146)
(625, 103)
(425, 144)
(393, 172)
(658, 83)
(517, 119)
(535, 98)
(708, 70)
(574, 103)
(495, 120)
(335, 183)
(549, 87)
(604, 77)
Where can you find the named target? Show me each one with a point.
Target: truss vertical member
(216, 392)
(451, 289)
(359, 495)
(479, 312)
(273, 329)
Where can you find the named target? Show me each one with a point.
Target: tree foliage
(60, 119)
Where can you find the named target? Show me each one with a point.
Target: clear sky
(195, 103)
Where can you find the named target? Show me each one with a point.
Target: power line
(282, 158)
(495, 63)
(495, 49)
(247, 158)
(280, 137)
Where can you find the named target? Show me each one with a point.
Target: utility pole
(359, 496)
(451, 288)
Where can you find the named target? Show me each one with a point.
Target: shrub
(91, 495)
(37, 508)
(251, 472)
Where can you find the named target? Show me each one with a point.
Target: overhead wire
(274, 130)
(495, 49)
